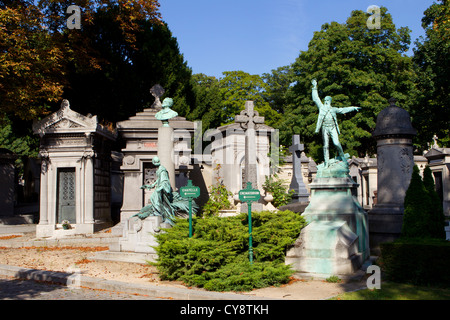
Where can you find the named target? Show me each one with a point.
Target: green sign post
(249, 195)
(190, 192)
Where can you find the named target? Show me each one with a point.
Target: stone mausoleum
(140, 133)
(75, 173)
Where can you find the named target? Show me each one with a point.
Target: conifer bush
(436, 211)
(216, 257)
(417, 204)
(423, 216)
(421, 255)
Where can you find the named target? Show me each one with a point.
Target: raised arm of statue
(315, 94)
(346, 110)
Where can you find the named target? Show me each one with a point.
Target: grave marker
(297, 184)
(249, 119)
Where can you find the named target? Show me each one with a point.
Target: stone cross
(297, 184)
(249, 120)
(157, 91)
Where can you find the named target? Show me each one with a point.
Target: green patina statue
(163, 201)
(166, 113)
(328, 123)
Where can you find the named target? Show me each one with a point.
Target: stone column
(46, 225)
(43, 205)
(165, 152)
(89, 188)
(395, 162)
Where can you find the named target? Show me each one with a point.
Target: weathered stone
(395, 161)
(75, 173)
(140, 133)
(297, 184)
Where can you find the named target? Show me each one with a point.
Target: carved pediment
(65, 119)
(64, 123)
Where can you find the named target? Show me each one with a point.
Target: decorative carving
(406, 159)
(64, 118)
(68, 186)
(64, 124)
(129, 160)
(157, 91)
(149, 175)
(45, 160)
(88, 154)
(380, 160)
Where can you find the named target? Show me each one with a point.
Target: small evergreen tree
(417, 204)
(436, 211)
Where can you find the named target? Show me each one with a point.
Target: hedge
(216, 257)
(417, 261)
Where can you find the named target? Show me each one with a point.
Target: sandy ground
(66, 258)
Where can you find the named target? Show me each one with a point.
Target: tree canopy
(356, 66)
(31, 65)
(124, 48)
(219, 100)
(106, 68)
(431, 114)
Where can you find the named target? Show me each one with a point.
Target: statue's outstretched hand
(314, 83)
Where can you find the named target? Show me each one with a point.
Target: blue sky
(257, 36)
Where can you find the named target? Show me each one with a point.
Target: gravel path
(71, 258)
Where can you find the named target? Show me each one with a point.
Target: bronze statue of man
(328, 123)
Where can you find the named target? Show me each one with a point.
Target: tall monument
(140, 134)
(249, 119)
(394, 134)
(297, 184)
(335, 241)
(165, 138)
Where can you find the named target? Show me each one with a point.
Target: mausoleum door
(66, 195)
(438, 184)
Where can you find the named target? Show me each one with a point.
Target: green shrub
(280, 193)
(216, 257)
(243, 276)
(333, 279)
(417, 261)
(218, 197)
(417, 204)
(436, 211)
(423, 216)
